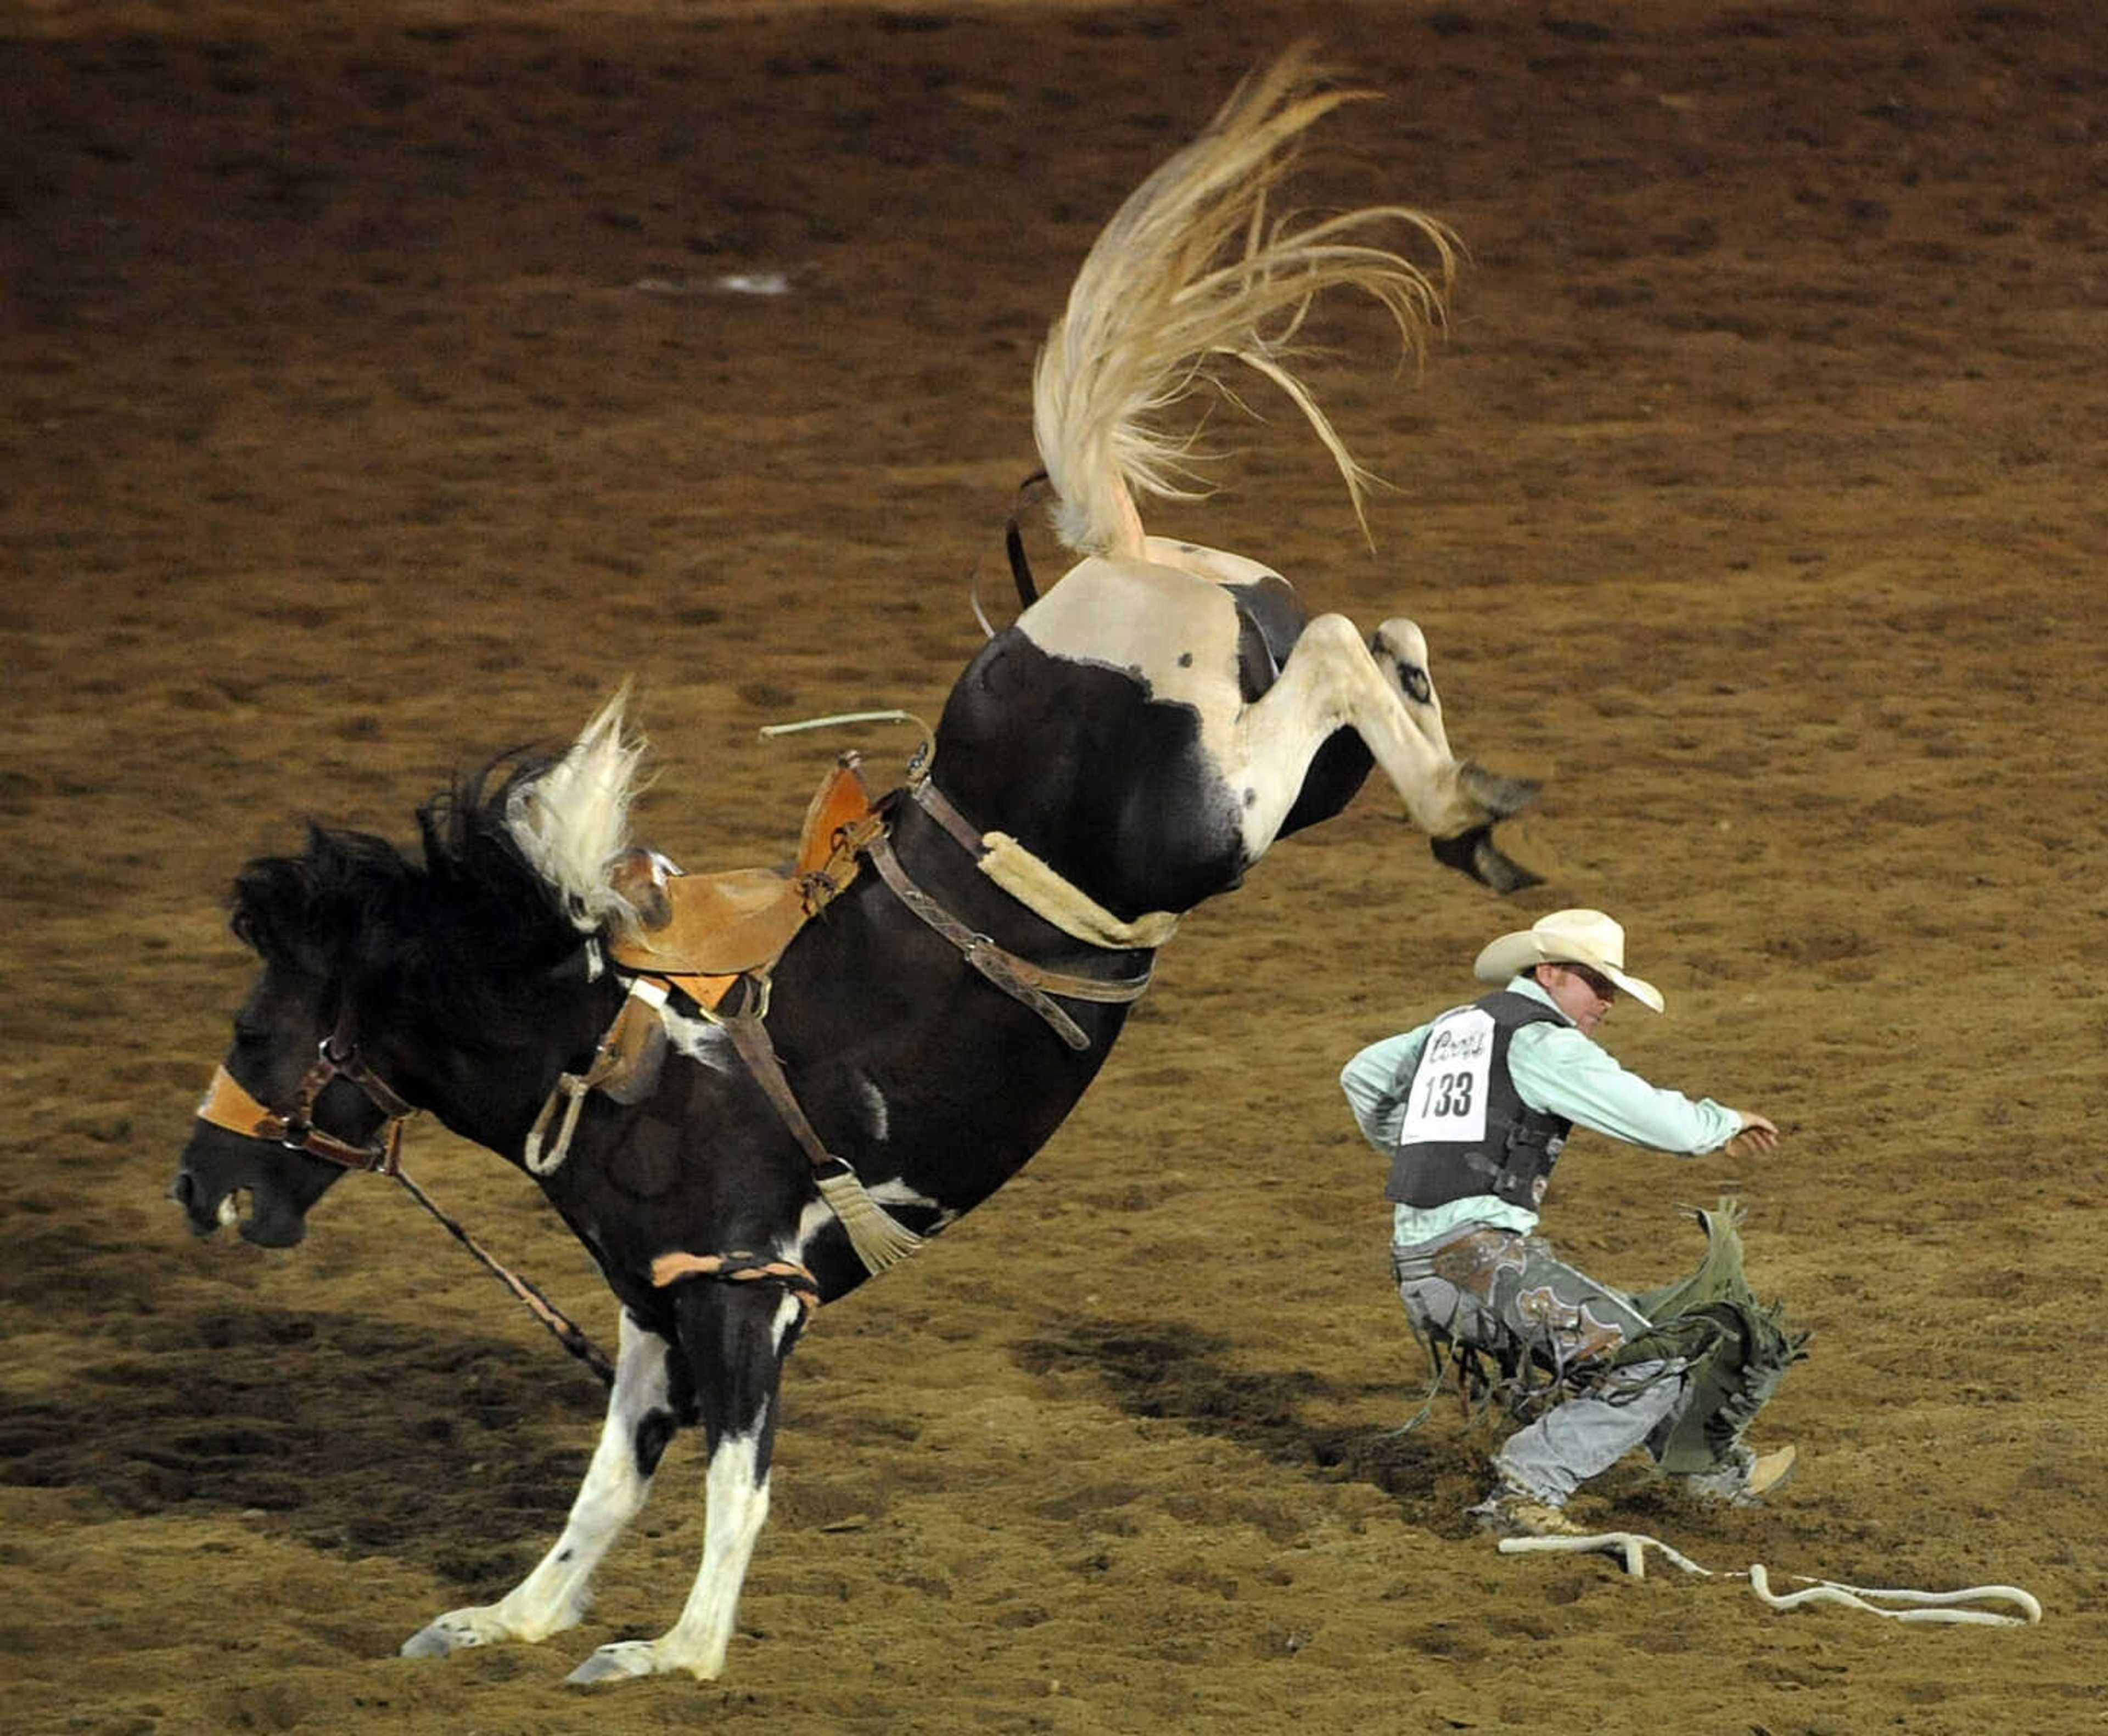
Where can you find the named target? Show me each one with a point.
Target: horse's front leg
(1383, 692)
(557, 1595)
(734, 1337)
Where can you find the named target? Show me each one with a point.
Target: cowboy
(1473, 1108)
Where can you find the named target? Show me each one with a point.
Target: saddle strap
(1029, 984)
(938, 806)
(1037, 886)
(880, 1239)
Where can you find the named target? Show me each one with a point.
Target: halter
(228, 1104)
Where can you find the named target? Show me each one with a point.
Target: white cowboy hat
(1566, 938)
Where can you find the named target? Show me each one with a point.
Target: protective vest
(1466, 1130)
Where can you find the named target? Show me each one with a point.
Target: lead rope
(561, 1327)
(1631, 1548)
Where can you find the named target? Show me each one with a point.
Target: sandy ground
(375, 399)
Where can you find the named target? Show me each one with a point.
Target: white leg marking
(738, 1507)
(1177, 630)
(1332, 679)
(557, 1595)
(789, 1311)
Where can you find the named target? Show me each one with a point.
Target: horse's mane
(511, 881)
(450, 932)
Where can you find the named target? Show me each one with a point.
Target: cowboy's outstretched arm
(1559, 1071)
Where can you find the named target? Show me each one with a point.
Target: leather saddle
(737, 922)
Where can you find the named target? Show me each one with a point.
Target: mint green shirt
(1557, 1071)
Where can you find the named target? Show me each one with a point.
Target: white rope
(845, 716)
(1631, 1548)
(918, 761)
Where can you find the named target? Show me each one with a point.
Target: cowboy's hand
(1757, 1138)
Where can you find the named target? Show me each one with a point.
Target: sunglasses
(1605, 989)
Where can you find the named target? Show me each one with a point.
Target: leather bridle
(228, 1104)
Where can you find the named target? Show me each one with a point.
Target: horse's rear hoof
(1474, 852)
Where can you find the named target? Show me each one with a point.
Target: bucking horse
(745, 1093)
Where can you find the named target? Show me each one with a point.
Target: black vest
(1467, 1130)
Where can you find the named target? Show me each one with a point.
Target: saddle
(711, 930)
(707, 932)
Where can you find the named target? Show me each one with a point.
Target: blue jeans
(1505, 1295)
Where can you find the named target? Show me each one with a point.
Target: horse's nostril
(180, 1190)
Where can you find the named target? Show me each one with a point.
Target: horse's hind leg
(554, 1596)
(1383, 693)
(736, 1336)
(1400, 651)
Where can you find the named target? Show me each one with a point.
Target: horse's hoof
(441, 1639)
(1474, 852)
(1500, 797)
(625, 1661)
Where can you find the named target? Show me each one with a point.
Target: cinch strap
(740, 1266)
(1020, 979)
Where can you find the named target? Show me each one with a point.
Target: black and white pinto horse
(1131, 746)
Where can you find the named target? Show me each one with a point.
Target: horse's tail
(1191, 268)
(571, 821)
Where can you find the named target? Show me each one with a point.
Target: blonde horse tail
(1192, 270)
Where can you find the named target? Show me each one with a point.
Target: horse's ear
(270, 899)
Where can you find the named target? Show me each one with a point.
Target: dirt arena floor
(385, 381)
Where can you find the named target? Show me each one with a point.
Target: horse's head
(284, 1117)
(458, 983)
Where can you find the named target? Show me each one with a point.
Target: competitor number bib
(1448, 1104)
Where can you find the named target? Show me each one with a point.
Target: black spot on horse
(655, 1434)
(645, 1164)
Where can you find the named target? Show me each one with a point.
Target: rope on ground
(1631, 1548)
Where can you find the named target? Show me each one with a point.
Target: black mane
(449, 934)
